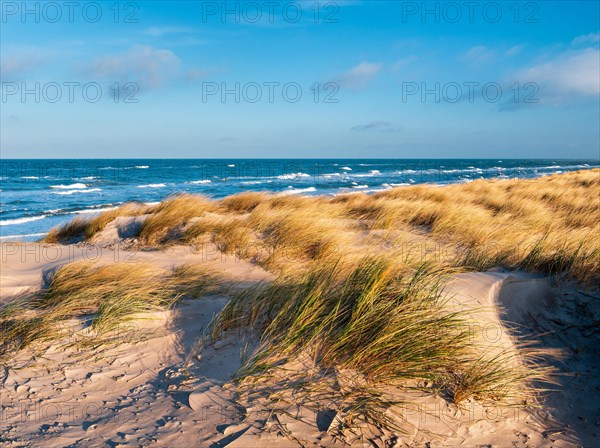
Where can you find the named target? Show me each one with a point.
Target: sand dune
(463, 316)
(171, 390)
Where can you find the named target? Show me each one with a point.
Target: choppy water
(36, 195)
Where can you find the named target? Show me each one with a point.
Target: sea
(36, 195)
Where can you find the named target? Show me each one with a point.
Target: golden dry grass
(549, 224)
(107, 295)
(87, 228)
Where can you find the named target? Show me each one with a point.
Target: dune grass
(548, 225)
(389, 325)
(82, 228)
(106, 296)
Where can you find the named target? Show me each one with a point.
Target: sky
(304, 79)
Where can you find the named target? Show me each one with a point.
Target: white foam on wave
(142, 167)
(360, 186)
(292, 176)
(70, 192)
(29, 177)
(27, 235)
(253, 182)
(297, 191)
(231, 165)
(152, 186)
(393, 185)
(12, 222)
(346, 168)
(93, 210)
(199, 182)
(76, 186)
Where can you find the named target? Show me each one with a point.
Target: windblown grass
(389, 325)
(106, 296)
(548, 224)
(169, 217)
(81, 228)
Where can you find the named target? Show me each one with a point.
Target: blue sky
(502, 80)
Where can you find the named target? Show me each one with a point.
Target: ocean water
(36, 195)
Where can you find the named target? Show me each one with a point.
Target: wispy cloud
(514, 50)
(404, 62)
(360, 75)
(477, 54)
(377, 126)
(592, 38)
(17, 62)
(572, 73)
(148, 66)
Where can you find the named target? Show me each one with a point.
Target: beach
(456, 315)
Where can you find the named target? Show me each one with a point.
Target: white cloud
(514, 50)
(16, 62)
(592, 38)
(573, 73)
(477, 54)
(360, 75)
(148, 66)
(401, 63)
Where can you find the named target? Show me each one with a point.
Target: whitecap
(27, 235)
(346, 168)
(152, 186)
(292, 176)
(69, 192)
(12, 222)
(199, 182)
(297, 191)
(70, 187)
(96, 210)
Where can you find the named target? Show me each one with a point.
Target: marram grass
(105, 295)
(547, 225)
(390, 324)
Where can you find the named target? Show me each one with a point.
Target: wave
(70, 187)
(29, 177)
(142, 167)
(297, 191)
(346, 168)
(199, 182)
(369, 174)
(27, 235)
(231, 165)
(360, 187)
(292, 176)
(253, 182)
(152, 186)
(12, 222)
(92, 210)
(70, 192)
(393, 185)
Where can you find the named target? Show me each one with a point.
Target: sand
(173, 389)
